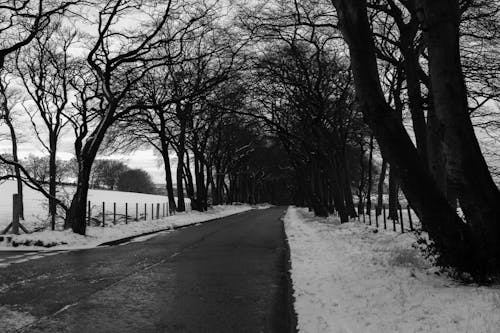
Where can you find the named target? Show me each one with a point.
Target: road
(224, 276)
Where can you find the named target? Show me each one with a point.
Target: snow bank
(97, 235)
(349, 279)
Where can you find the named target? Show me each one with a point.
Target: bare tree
(8, 100)
(45, 70)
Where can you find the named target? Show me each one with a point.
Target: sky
(141, 159)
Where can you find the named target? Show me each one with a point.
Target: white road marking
(17, 256)
(36, 257)
(20, 261)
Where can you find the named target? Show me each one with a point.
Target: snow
(36, 205)
(347, 278)
(66, 239)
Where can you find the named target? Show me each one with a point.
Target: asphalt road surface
(224, 276)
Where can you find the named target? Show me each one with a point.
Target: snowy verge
(60, 240)
(347, 278)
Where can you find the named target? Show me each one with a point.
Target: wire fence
(104, 213)
(405, 220)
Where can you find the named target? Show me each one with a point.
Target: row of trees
(405, 83)
(318, 102)
(169, 82)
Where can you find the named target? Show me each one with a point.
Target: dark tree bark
(181, 207)
(380, 187)
(393, 194)
(370, 178)
(468, 173)
(168, 175)
(451, 235)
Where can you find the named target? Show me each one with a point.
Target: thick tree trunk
(17, 170)
(393, 194)
(200, 198)
(338, 196)
(76, 214)
(380, 188)
(168, 176)
(370, 178)
(411, 67)
(181, 206)
(451, 235)
(361, 184)
(316, 190)
(52, 180)
(468, 173)
(189, 180)
(437, 165)
(345, 180)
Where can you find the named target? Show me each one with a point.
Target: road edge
(129, 238)
(289, 290)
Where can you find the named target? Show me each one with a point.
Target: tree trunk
(52, 179)
(370, 178)
(15, 157)
(393, 194)
(468, 173)
(346, 183)
(75, 216)
(411, 66)
(380, 188)
(452, 237)
(168, 175)
(181, 206)
(361, 184)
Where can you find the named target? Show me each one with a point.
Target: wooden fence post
(145, 212)
(136, 211)
(103, 214)
(157, 211)
(126, 212)
(114, 212)
(152, 212)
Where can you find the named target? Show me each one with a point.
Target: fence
(406, 220)
(103, 213)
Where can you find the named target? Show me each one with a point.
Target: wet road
(223, 276)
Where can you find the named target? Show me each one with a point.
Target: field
(36, 205)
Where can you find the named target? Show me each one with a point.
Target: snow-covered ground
(97, 235)
(347, 278)
(36, 205)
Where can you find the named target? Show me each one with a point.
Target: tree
(45, 70)
(110, 75)
(8, 100)
(106, 173)
(135, 180)
(461, 244)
